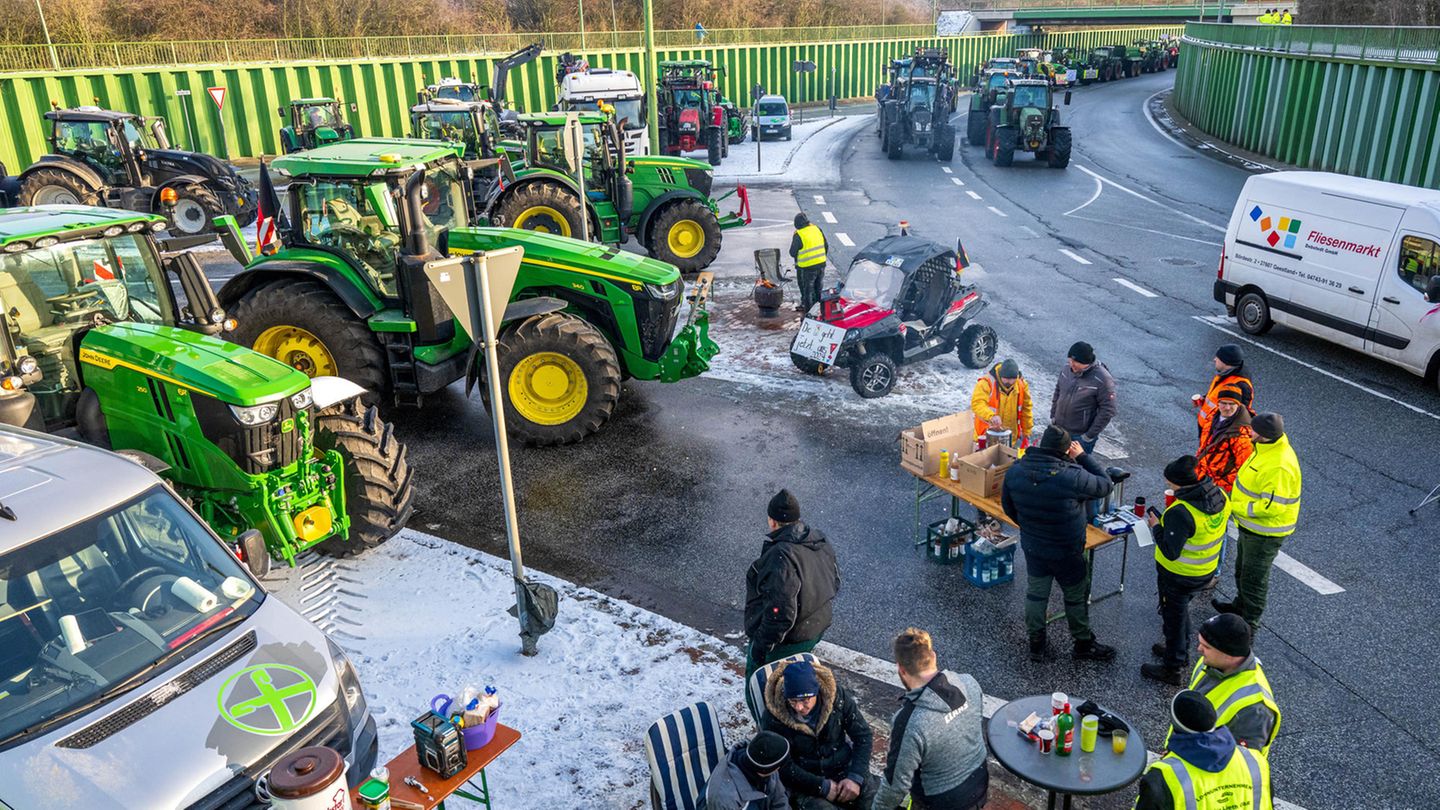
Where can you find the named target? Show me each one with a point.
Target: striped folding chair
(755, 690)
(683, 748)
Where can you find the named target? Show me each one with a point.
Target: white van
(772, 117)
(1351, 260)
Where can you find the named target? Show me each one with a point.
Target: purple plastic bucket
(474, 736)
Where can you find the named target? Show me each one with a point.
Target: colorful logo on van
(1276, 229)
(268, 699)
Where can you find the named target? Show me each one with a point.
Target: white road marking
(844, 239)
(1136, 287)
(947, 170)
(829, 217)
(1149, 230)
(996, 211)
(819, 199)
(1099, 187)
(973, 195)
(1212, 226)
(1215, 321)
(957, 181)
(1306, 574)
(1076, 256)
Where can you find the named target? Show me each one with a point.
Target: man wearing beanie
(789, 588)
(1188, 540)
(830, 741)
(1265, 504)
(749, 777)
(1203, 761)
(807, 248)
(1227, 441)
(1047, 493)
(1229, 372)
(1084, 400)
(1001, 401)
(1231, 678)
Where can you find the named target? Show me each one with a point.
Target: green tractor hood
(228, 372)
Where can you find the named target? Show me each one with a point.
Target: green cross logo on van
(268, 699)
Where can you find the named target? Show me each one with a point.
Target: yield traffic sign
(217, 95)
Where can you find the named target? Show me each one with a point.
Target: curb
(1168, 121)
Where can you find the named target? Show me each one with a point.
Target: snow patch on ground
(421, 616)
(811, 157)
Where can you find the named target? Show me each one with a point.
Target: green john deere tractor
(664, 202)
(313, 122)
(94, 341)
(1024, 119)
(346, 294)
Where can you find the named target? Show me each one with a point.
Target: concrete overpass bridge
(977, 16)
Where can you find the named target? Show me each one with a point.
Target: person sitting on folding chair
(830, 741)
(749, 777)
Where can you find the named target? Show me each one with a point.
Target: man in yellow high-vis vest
(807, 248)
(1230, 676)
(1204, 769)
(1265, 504)
(1188, 542)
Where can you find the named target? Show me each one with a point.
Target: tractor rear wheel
(712, 146)
(975, 128)
(976, 346)
(303, 324)
(1006, 140)
(379, 496)
(543, 206)
(894, 140)
(1059, 156)
(56, 187)
(685, 234)
(561, 379)
(873, 375)
(195, 207)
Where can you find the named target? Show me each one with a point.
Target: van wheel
(1252, 313)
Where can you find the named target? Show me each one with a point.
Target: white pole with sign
(574, 135)
(217, 95)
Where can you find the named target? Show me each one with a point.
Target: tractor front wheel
(541, 206)
(894, 140)
(561, 379)
(1006, 140)
(55, 187)
(686, 234)
(1059, 156)
(975, 128)
(379, 496)
(976, 347)
(712, 146)
(945, 144)
(303, 324)
(195, 207)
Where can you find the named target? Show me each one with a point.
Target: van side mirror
(253, 552)
(1432, 290)
(1067, 98)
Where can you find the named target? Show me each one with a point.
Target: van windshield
(771, 108)
(91, 611)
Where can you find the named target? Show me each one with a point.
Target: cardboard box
(920, 446)
(978, 477)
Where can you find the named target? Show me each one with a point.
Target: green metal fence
(378, 92)
(1357, 101)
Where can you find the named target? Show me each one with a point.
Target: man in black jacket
(1084, 399)
(1046, 493)
(788, 590)
(1189, 539)
(829, 765)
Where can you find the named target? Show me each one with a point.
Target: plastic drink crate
(988, 570)
(945, 547)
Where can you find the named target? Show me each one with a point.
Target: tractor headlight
(27, 365)
(302, 400)
(217, 315)
(255, 414)
(664, 292)
(136, 227)
(46, 241)
(17, 247)
(114, 230)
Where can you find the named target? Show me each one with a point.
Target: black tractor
(121, 160)
(1024, 119)
(919, 104)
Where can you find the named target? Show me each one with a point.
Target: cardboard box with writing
(982, 473)
(920, 446)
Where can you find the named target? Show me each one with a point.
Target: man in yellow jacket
(1265, 505)
(1001, 400)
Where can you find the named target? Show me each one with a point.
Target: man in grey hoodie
(937, 748)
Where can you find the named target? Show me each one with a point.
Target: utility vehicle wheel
(55, 187)
(894, 140)
(975, 128)
(686, 235)
(1006, 139)
(807, 365)
(302, 324)
(1252, 314)
(945, 144)
(873, 375)
(1059, 156)
(712, 146)
(378, 493)
(195, 206)
(561, 379)
(541, 206)
(976, 347)
(787, 133)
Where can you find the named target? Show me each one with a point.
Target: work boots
(1037, 647)
(1225, 607)
(1175, 676)
(1092, 650)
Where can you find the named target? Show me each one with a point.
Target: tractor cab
(603, 160)
(456, 90)
(687, 106)
(473, 124)
(919, 105)
(313, 122)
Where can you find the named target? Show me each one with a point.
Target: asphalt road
(665, 507)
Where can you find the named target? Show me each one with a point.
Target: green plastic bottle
(1065, 732)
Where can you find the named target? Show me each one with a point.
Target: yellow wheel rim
(548, 388)
(298, 349)
(544, 219)
(685, 238)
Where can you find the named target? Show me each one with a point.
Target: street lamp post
(54, 57)
(652, 122)
(582, 24)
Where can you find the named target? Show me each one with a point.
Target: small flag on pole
(267, 239)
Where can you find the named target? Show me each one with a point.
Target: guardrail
(1046, 5)
(1403, 45)
(81, 56)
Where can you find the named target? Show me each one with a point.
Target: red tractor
(689, 116)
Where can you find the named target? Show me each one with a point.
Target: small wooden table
(930, 487)
(408, 764)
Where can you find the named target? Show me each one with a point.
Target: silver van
(141, 664)
(772, 117)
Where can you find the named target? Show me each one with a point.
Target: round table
(1100, 771)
